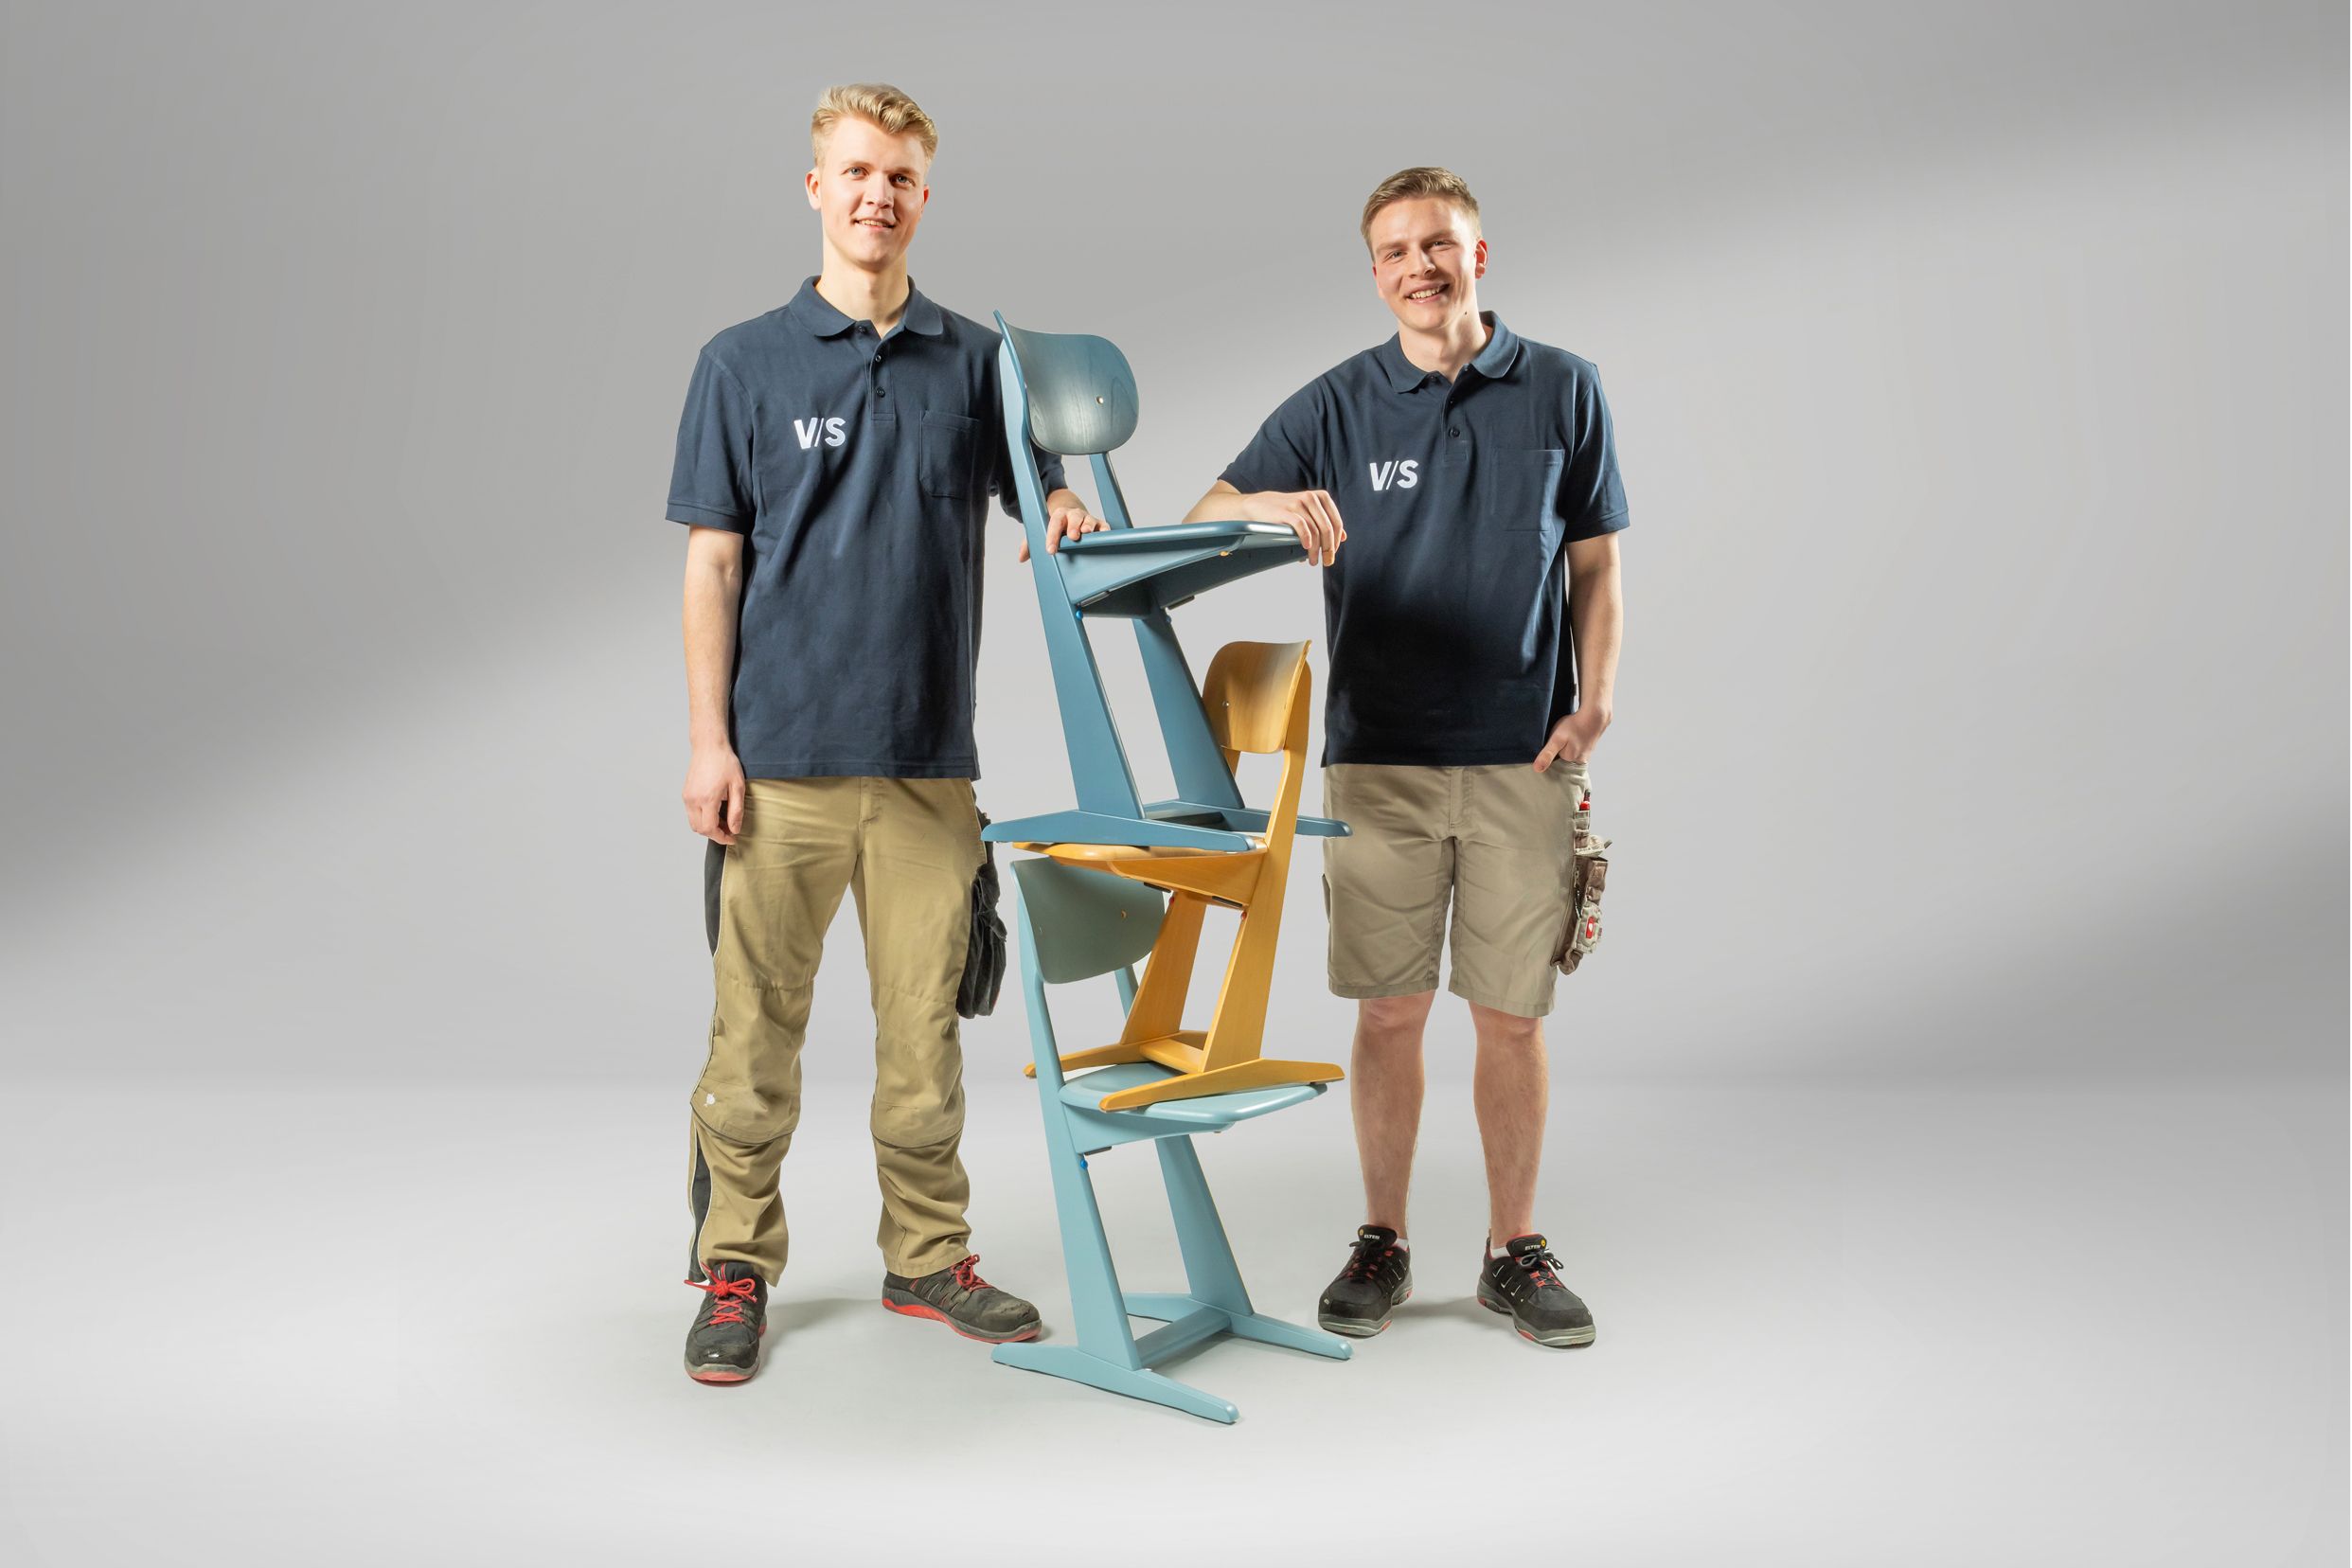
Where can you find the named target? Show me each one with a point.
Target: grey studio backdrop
(1980, 379)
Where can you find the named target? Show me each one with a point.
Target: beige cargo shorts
(1496, 844)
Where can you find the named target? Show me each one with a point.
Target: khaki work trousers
(908, 849)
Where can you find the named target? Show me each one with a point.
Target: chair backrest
(1085, 923)
(1256, 696)
(1079, 389)
(1247, 693)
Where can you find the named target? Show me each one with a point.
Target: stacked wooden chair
(1120, 879)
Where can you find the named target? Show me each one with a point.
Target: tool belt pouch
(714, 871)
(984, 955)
(1588, 877)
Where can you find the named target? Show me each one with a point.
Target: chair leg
(1137, 1383)
(1095, 1297)
(1291, 1336)
(1209, 1268)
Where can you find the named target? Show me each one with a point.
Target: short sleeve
(710, 484)
(1007, 495)
(1283, 454)
(1000, 454)
(1591, 497)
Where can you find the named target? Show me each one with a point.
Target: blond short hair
(1408, 183)
(875, 102)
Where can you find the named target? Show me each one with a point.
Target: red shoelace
(967, 1275)
(732, 1295)
(1362, 1264)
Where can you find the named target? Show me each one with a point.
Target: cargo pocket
(1588, 878)
(951, 450)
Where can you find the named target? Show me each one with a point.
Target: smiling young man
(1471, 476)
(835, 465)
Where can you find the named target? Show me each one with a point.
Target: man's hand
(1311, 514)
(1066, 517)
(1574, 737)
(714, 793)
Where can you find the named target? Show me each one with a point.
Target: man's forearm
(1222, 504)
(713, 599)
(1596, 610)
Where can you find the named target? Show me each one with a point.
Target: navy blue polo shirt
(858, 469)
(1447, 607)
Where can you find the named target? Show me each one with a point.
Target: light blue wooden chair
(1076, 924)
(1075, 395)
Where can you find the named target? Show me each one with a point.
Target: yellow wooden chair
(1255, 696)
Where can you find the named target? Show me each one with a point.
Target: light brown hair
(1408, 183)
(876, 102)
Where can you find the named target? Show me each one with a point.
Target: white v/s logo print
(833, 431)
(1403, 476)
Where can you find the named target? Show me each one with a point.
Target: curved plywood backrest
(1248, 694)
(1081, 394)
(1086, 922)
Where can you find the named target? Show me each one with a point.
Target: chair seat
(1138, 571)
(1176, 823)
(1179, 536)
(1207, 1111)
(1076, 852)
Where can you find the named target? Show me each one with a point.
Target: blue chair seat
(1207, 1113)
(1137, 571)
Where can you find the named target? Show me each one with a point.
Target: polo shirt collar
(1493, 361)
(812, 311)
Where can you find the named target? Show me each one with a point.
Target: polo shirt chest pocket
(950, 456)
(1526, 502)
(1517, 497)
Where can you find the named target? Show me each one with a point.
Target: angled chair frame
(1078, 924)
(1075, 395)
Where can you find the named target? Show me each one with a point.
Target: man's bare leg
(1512, 1088)
(1384, 1088)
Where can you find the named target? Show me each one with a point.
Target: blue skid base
(1190, 1322)
(1078, 924)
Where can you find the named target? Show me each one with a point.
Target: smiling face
(1427, 258)
(869, 191)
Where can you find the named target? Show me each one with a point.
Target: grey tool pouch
(713, 865)
(984, 955)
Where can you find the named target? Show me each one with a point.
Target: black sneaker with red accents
(724, 1344)
(1377, 1276)
(957, 1296)
(1525, 1282)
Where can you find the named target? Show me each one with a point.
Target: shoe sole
(728, 1374)
(1557, 1339)
(1361, 1328)
(924, 1310)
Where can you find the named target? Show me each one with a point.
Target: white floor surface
(1961, 1325)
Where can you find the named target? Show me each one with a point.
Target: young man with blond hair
(1472, 476)
(835, 465)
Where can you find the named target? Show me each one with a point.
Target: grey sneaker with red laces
(957, 1296)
